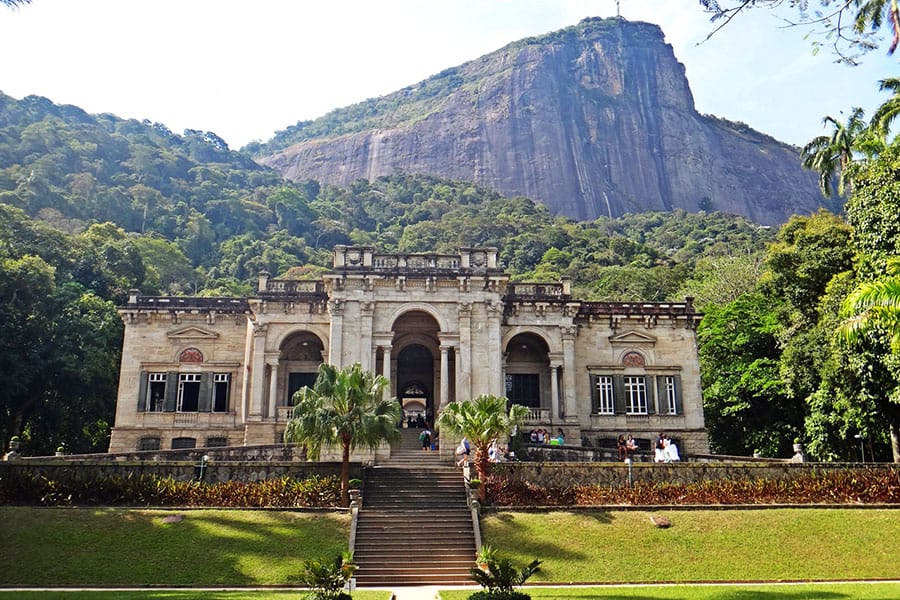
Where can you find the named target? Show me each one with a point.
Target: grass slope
(103, 546)
(705, 545)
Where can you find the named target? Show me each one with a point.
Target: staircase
(415, 527)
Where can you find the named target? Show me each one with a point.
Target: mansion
(205, 372)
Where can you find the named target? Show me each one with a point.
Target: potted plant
(60, 451)
(798, 446)
(474, 484)
(355, 490)
(14, 443)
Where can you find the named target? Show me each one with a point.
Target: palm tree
(874, 304)
(872, 13)
(830, 155)
(481, 421)
(346, 407)
(886, 113)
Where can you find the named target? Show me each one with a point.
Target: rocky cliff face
(594, 120)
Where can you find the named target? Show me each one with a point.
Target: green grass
(177, 595)
(104, 546)
(705, 545)
(807, 591)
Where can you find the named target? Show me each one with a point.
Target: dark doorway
(415, 376)
(297, 381)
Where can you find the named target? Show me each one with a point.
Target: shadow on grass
(537, 546)
(137, 547)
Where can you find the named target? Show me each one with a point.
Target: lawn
(246, 548)
(106, 546)
(807, 591)
(178, 595)
(702, 545)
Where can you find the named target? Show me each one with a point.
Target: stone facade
(441, 327)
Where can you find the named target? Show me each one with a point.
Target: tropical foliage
(483, 421)
(347, 408)
(76, 487)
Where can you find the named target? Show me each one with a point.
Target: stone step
(409, 575)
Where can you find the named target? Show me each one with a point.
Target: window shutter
(142, 392)
(204, 402)
(651, 394)
(678, 407)
(595, 401)
(171, 390)
(619, 393)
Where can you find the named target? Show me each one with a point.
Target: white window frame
(635, 394)
(606, 404)
(184, 378)
(148, 401)
(220, 378)
(671, 394)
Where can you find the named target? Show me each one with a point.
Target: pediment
(632, 337)
(192, 333)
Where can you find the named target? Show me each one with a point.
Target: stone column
(366, 349)
(386, 370)
(554, 391)
(495, 363)
(445, 376)
(257, 371)
(570, 411)
(464, 356)
(336, 308)
(273, 388)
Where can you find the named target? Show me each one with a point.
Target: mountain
(593, 120)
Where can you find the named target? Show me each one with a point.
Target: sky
(245, 70)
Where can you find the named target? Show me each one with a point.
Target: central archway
(416, 362)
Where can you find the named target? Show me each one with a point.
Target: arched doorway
(298, 364)
(528, 371)
(415, 381)
(416, 362)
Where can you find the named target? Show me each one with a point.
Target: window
(603, 384)
(156, 393)
(524, 389)
(183, 443)
(670, 395)
(188, 392)
(216, 442)
(221, 386)
(148, 443)
(635, 395)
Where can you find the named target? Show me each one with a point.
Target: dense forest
(93, 205)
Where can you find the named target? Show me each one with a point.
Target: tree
(850, 26)
(874, 305)
(829, 155)
(885, 114)
(346, 407)
(744, 394)
(481, 421)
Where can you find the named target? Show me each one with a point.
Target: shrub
(845, 486)
(81, 488)
(499, 577)
(326, 578)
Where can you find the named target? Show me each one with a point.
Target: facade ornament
(259, 329)
(633, 359)
(336, 307)
(464, 309)
(569, 332)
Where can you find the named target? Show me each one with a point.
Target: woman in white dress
(671, 451)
